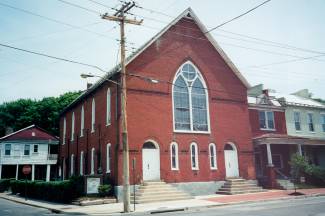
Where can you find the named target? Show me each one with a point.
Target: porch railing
(52, 157)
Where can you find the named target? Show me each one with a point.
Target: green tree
(44, 113)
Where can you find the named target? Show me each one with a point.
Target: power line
(54, 20)
(237, 17)
(78, 6)
(53, 57)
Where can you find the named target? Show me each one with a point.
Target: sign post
(133, 169)
(26, 170)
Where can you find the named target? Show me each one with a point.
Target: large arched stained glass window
(190, 100)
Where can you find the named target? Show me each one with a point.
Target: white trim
(153, 142)
(93, 115)
(266, 120)
(81, 168)
(72, 165)
(322, 121)
(64, 130)
(196, 156)
(312, 121)
(201, 78)
(92, 162)
(215, 167)
(82, 121)
(31, 126)
(176, 156)
(108, 107)
(294, 120)
(72, 126)
(108, 158)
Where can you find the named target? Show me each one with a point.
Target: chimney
(266, 92)
(89, 85)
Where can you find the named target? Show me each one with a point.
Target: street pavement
(11, 208)
(312, 206)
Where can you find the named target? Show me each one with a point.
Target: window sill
(175, 169)
(195, 169)
(214, 168)
(298, 131)
(191, 132)
(267, 129)
(312, 132)
(109, 124)
(108, 172)
(81, 136)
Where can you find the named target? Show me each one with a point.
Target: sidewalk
(181, 205)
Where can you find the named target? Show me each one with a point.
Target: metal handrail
(277, 170)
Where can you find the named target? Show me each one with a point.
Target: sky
(287, 55)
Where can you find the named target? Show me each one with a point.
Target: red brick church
(188, 119)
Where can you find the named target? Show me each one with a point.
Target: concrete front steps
(158, 191)
(239, 186)
(285, 184)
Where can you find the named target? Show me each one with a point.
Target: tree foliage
(43, 113)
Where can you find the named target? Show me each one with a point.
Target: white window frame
(81, 168)
(108, 107)
(322, 121)
(72, 165)
(266, 120)
(176, 156)
(294, 120)
(178, 73)
(35, 152)
(82, 121)
(108, 158)
(215, 167)
(72, 126)
(10, 149)
(64, 130)
(93, 115)
(196, 156)
(25, 150)
(312, 121)
(92, 162)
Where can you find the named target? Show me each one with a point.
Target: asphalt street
(300, 207)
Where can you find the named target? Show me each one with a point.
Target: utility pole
(119, 16)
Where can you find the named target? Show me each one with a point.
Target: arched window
(190, 100)
(72, 127)
(213, 156)
(82, 121)
(81, 163)
(174, 156)
(92, 162)
(72, 165)
(108, 107)
(93, 110)
(108, 158)
(194, 156)
(64, 130)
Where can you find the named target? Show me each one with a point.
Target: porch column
(48, 171)
(269, 155)
(299, 150)
(17, 167)
(0, 170)
(33, 172)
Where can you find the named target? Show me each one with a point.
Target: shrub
(104, 190)
(57, 191)
(300, 166)
(4, 185)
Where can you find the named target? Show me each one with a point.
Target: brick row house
(283, 125)
(188, 127)
(193, 119)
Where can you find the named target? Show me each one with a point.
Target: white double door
(231, 163)
(150, 164)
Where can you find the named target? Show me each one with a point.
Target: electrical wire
(237, 17)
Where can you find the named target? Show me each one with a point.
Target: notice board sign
(92, 185)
